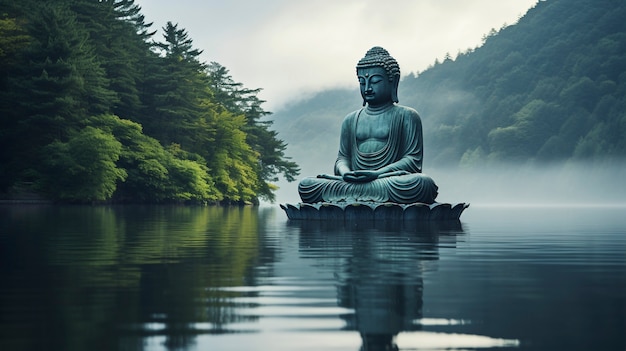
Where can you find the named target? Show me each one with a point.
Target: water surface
(210, 278)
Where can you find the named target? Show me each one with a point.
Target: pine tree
(14, 39)
(264, 141)
(174, 89)
(120, 38)
(58, 83)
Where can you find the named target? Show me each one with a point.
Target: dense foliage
(550, 87)
(93, 109)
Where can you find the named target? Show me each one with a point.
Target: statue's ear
(394, 88)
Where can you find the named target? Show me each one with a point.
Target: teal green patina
(381, 147)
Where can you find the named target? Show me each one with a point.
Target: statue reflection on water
(379, 273)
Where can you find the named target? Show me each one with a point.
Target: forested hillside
(94, 107)
(550, 87)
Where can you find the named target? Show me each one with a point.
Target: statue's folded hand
(362, 176)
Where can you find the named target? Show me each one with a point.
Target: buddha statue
(380, 148)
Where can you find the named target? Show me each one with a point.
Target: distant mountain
(551, 87)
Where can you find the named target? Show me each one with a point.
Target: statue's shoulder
(407, 115)
(353, 114)
(406, 111)
(350, 117)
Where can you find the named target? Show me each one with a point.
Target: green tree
(155, 173)
(57, 84)
(120, 36)
(76, 70)
(231, 159)
(83, 168)
(176, 88)
(14, 39)
(263, 140)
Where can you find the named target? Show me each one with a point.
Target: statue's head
(378, 61)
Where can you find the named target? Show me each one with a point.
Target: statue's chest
(372, 127)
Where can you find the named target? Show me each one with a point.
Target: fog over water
(572, 184)
(557, 184)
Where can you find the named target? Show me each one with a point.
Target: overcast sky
(293, 48)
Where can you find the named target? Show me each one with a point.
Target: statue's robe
(403, 151)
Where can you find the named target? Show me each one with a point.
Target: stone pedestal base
(374, 211)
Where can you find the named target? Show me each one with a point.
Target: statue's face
(375, 85)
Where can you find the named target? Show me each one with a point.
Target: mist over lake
(542, 184)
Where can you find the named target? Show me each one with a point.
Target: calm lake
(212, 278)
